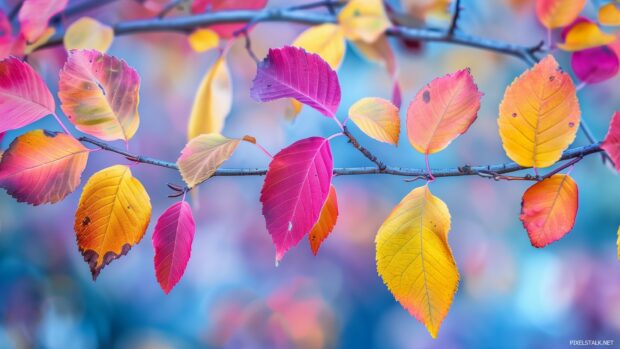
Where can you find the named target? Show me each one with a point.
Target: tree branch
(188, 23)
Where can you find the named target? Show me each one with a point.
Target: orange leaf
(378, 118)
(112, 216)
(203, 39)
(558, 13)
(539, 115)
(442, 111)
(326, 222)
(549, 208)
(611, 144)
(609, 14)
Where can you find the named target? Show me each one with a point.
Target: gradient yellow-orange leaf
(585, 35)
(100, 94)
(88, 33)
(558, 13)
(363, 20)
(378, 118)
(326, 222)
(42, 167)
(414, 258)
(203, 39)
(539, 115)
(202, 156)
(549, 208)
(112, 216)
(609, 14)
(442, 111)
(326, 40)
(213, 101)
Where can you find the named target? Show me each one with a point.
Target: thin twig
(380, 165)
(169, 7)
(455, 18)
(563, 167)
(583, 125)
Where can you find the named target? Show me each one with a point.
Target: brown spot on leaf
(514, 115)
(85, 221)
(91, 257)
(426, 96)
(551, 78)
(571, 124)
(249, 139)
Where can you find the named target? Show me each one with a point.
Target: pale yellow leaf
(202, 156)
(363, 20)
(326, 40)
(378, 118)
(88, 33)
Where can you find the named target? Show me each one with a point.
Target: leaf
(291, 72)
(326, 222)
(172, 242)
(203, 155)
(414, 258)
(539, 115)
(34, 16)
(611, 144)
(595, 65)
(213, 101)
(549, 208)
(585, 35)
(295, 189)
(326, 40)
(363, 20)
(618, 242)
(609, 14)
(202, 40)
(9, 44)
(292, 109)
(442, 111)
(100, 93)
(24, 97)
(378, 118)
(42, 40)
(88, 33)
(112, 216)
(558, 13)
(42, 167)
(227, 30)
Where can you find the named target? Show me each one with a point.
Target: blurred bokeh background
(232, 295)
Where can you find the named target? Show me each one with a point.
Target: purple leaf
(595, 65)
(291, 72)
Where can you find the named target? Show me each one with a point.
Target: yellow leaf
(202, 40)
(42, 40)
(378, 118)
(363, 20)
(585, 35)
(213, 101)
(609, 14)
(293, 109)
(326, 40)
(88, 33)
(203, 155)
(539, 115)
(415, 260)
(112, 216)
(558, 13)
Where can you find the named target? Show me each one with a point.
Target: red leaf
(24, 97)
(172, 241)
(611, 144)
(326, 223)
(291, 72)
(226, 30)
(295, 189)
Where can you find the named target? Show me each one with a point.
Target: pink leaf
(611, 144)
(24, 97)
(291, 72)
(595, 65)
(295, 189)
(226, 30)
(172, 241)
(9, 45)
(34, 16)
(397, 98)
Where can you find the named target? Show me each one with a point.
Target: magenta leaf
(595, 65)
(172, 241)
(35, 15)
(24, 97)
(291, 72)
(295, 189)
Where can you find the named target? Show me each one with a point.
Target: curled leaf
(172, 242)
(414, 258)
(539, 115)
(203, 155)
(295, 189)
(442, 111)
(378, 118)
(213, 101)
(549, 208)
(326, 222)
(99, 94)
(611, 144)
(42, 167)
(88, 33)
(291, 72)
(112, 216)
(24, 97)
